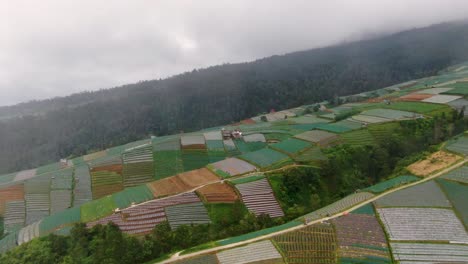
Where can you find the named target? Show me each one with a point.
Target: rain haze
(56, 48)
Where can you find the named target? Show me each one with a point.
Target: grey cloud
(54, 48)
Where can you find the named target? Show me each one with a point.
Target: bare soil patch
(436, 161)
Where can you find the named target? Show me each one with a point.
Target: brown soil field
(182, 182)
(115, 168)
(248, 121)
(415, 97)
(104, 190)
(218, 193)
(11, 193)
(436, 161)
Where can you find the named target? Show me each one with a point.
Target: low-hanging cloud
(56, 48)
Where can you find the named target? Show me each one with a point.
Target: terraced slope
(260, 251)
(259, 198)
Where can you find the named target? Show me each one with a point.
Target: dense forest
(45, 131)
(299, 190)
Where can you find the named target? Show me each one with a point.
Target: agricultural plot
(40, 184)
(167, 163)
(142, 218)
(434, 91)
(435, 162)
(459, 105)
(8, 242)
(137, 173)
(309, 119)
(313, 154)
(383, 131)
(360, 236)
(204, 259)
(335, 127)
(264, 158)
(416, 97)
(24, 175)
(15, 216)
(389, 114)
(369, 119)
(361, 137)
(82, 189)
(276, 137)
(213, 135)
(321, 138)
(218, 193)
(7, 178)
(291, 146)
(216, 155)
(97, 208)
(259, 252)
(458, 195)
(425, 194)
(259, 198)
(95, 155)
(312, 244)
(460, 145)
(132, 195)
(138, 154)
(350, 124)
(11, 193)
(254, 138)
(50, 168)
(37, 206)
(416, 107)
(194, 159)
(187, 214)
(459, 88)
(341, 205)
(429, 253)
(28, 233)
(215, 145)
(192, 142)
(182, 182)
(60, 200)
(106, 161)
(106, 181)
(59, 220)
(62, 179)
(245, 147)
(441, 99)
(423, 224)
(230, 147)
(392, 183)
(459, 174)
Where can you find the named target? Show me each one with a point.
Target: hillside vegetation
(76, 125)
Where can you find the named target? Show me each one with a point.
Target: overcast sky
(56, 48)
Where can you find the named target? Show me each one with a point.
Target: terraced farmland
(187, 214)
(105, 181)
(24, 175)
(167, 163)
(459, 175)
(82, 189)
(259, 252)
(313, 154)
(204, 259)
(291, 146)
(182, 182)
(361, 137)
(426, 194)
(28, 233)
(15, 216)
(361, 237)
(233, 167)
(312, 244)
(460, 145)
(458, 196)
(321, 138)
(441, 99)
(259, 198)
(341, 205)
(65, 218)
(10, 193)
(389, 114)
(60, 200)
(369, 119)
(265, 157)
(419, 224)
(192, 142)
(138, 166)
(392, 183)
(193, 159)
(429, 253)
(142, 218)
(218, 193)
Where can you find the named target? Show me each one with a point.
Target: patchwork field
(341, 205)
(291, 146)
(259, 198)
(441, 99)
(426, 194)
(361, 137)
(321, 138)
(459, 145)
(253, 253)
(218, 193)
(458, 195)
(423, 224)
(233, 167)
(360, 237)
(429, 253)
(82, 189)
(435, 162)
(11, 193)
(392, 183)
(311, 244)
(187, 214)
(265, 157)
(182, 182)
(58, 220)
(416, 96)
(204, 259)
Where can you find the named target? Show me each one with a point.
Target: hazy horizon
(57, 48)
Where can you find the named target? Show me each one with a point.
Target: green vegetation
(460, 88)
(97, 208)
(458, 195)
(247, 179)
(291, 146)
(361, 137)
(366, 209)
(264, 158)
(391, 183)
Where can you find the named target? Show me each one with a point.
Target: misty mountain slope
(225, 93)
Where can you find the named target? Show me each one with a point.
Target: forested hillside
(221, 94)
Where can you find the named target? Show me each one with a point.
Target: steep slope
(222, 94)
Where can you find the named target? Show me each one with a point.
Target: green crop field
(131, 195)
(312, 154)
(291, 146)
(265, 157)
(391, 183)
(64, 218)
(383, 131)
(97, 208)
(334, 127)
(458, 145)
(458, 196)
(167, 163)
(359, 137)
(460, 88)
(194, 159)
